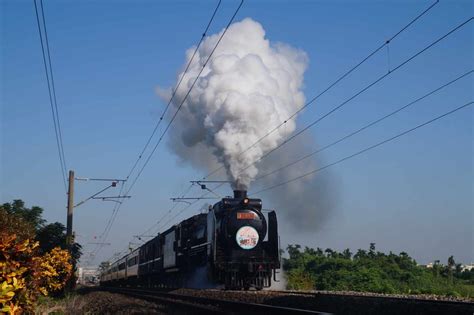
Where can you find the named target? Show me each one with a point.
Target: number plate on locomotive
(246, 215)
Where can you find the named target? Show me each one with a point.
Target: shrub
(24, 273)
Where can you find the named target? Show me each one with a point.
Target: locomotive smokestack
(240, 194)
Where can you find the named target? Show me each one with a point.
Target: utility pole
(70, 200)
(70, 208)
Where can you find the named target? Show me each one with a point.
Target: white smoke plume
(249, 86)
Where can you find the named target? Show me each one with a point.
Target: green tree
(32, 215)
(372, 250)
(372, 271)
(54, 234)
(450, 267)
(346, 254)
(28, 223)
(13, 224)
(51, 235)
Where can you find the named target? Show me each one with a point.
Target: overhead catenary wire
(377, 144)
(53, 86)
(94, 195)
(364, 150)
(339, 79)
(189, 205)
(114, 214)
(51, 90)
(104, 234)
(204, 34)
(112, 218)
(351, 134)
(167, 212)
(117, 206)
(158, 224)
(351, 70)
(367, 87)
(175, 204)
(186, 96)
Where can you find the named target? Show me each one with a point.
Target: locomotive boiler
(234, 245)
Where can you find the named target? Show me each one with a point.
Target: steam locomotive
(231, 245)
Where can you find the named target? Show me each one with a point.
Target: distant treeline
(373, 271)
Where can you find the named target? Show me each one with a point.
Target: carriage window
(199, 233)
(132, 261)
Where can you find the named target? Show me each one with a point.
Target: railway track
(371, 303)
(211, 301)
(353, 294)
(189, 304)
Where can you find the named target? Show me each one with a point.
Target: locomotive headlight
(247, 237)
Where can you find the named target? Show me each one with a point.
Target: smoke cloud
(249, 86)
(303, 205)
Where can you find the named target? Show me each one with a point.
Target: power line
(112, 217)
(357, 94)
(53, 86)
(204, 34)
(116, 207)
(51, 92)
(189, 205)
(366, 149)
(331, 85)
(197, 199)
(166, 213)
(366, 126)
(94, 195)
(185, 97)
(105, 233)
(114, 214)
(174, 116)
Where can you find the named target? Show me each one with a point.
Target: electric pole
(70, 208)
(70, 200)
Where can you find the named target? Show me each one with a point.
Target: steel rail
(205, 305)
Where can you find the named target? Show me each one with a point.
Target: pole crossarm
(100, 179)
(204, 187)
(199, 182)
(192, 198)
(111, 197)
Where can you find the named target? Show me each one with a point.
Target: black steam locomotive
(232, 245)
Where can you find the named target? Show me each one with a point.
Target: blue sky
(414, 194)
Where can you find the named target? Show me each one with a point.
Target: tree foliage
(33, 257)
(28, 223)
(371, 271)
(32, 216)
